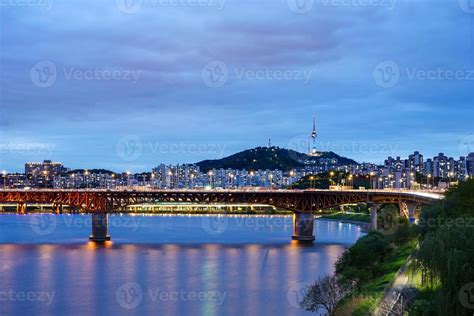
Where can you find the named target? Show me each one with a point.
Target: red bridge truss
(298, 201)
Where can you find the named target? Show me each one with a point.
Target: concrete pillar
(58, 208)
(373, 216)
(303, 226)
(411, 212)
(21, 208)
(100, 227)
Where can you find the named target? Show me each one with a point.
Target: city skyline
(77, 100)
(132, 155)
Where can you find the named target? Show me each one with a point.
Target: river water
(162, 265)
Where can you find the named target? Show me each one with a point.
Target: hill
(273, 158)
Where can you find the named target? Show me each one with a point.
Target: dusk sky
(125, 85)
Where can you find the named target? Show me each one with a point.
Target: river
(162, 264)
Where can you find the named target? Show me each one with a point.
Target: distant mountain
(273, 158)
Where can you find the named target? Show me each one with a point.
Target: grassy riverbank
(352, 217)
(364, 299)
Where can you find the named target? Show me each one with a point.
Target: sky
(128, 84)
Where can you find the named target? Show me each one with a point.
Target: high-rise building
(46, 167)
(470, 164)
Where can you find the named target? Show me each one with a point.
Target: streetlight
(86, 178)
(292, 174)
(209, 173)
(371, 174)
(251, 177)
(4, 175)
(351, 180)
(128, 179)
(170, 174)
(73, 177)
(331, 174)
(311, 178)
(45, 175)
(231, 177)
(411, 179)
(192, 180)
(428, 178)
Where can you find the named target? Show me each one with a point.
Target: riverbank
(359, 219)
(366, 299)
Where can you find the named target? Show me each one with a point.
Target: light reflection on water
(164, 264)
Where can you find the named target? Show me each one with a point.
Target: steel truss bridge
(302, 202)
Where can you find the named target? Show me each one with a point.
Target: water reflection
(188, 271)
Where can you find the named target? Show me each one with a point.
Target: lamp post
(251, 177)
(45, 176)
(73, 179)
(4, 176)
(192, 180)
(331, 174)
(292, 174)
(231, 178)
(371, 174)
(170, 174)
(128, 179)
(428, 178)
(210, 173)
(86, 178)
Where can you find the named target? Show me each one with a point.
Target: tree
(446, 253)
(324, 293)
(361, 262)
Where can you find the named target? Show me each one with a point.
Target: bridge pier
(57, 208)
(303, 227)
(21, 209)
(411, 212)
(100, 227)
(373, 216)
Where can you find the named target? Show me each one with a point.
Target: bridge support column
(21, 208)
(373, 216)
(411, 212)
(303, 227)
(100, 227)
(57, 208)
